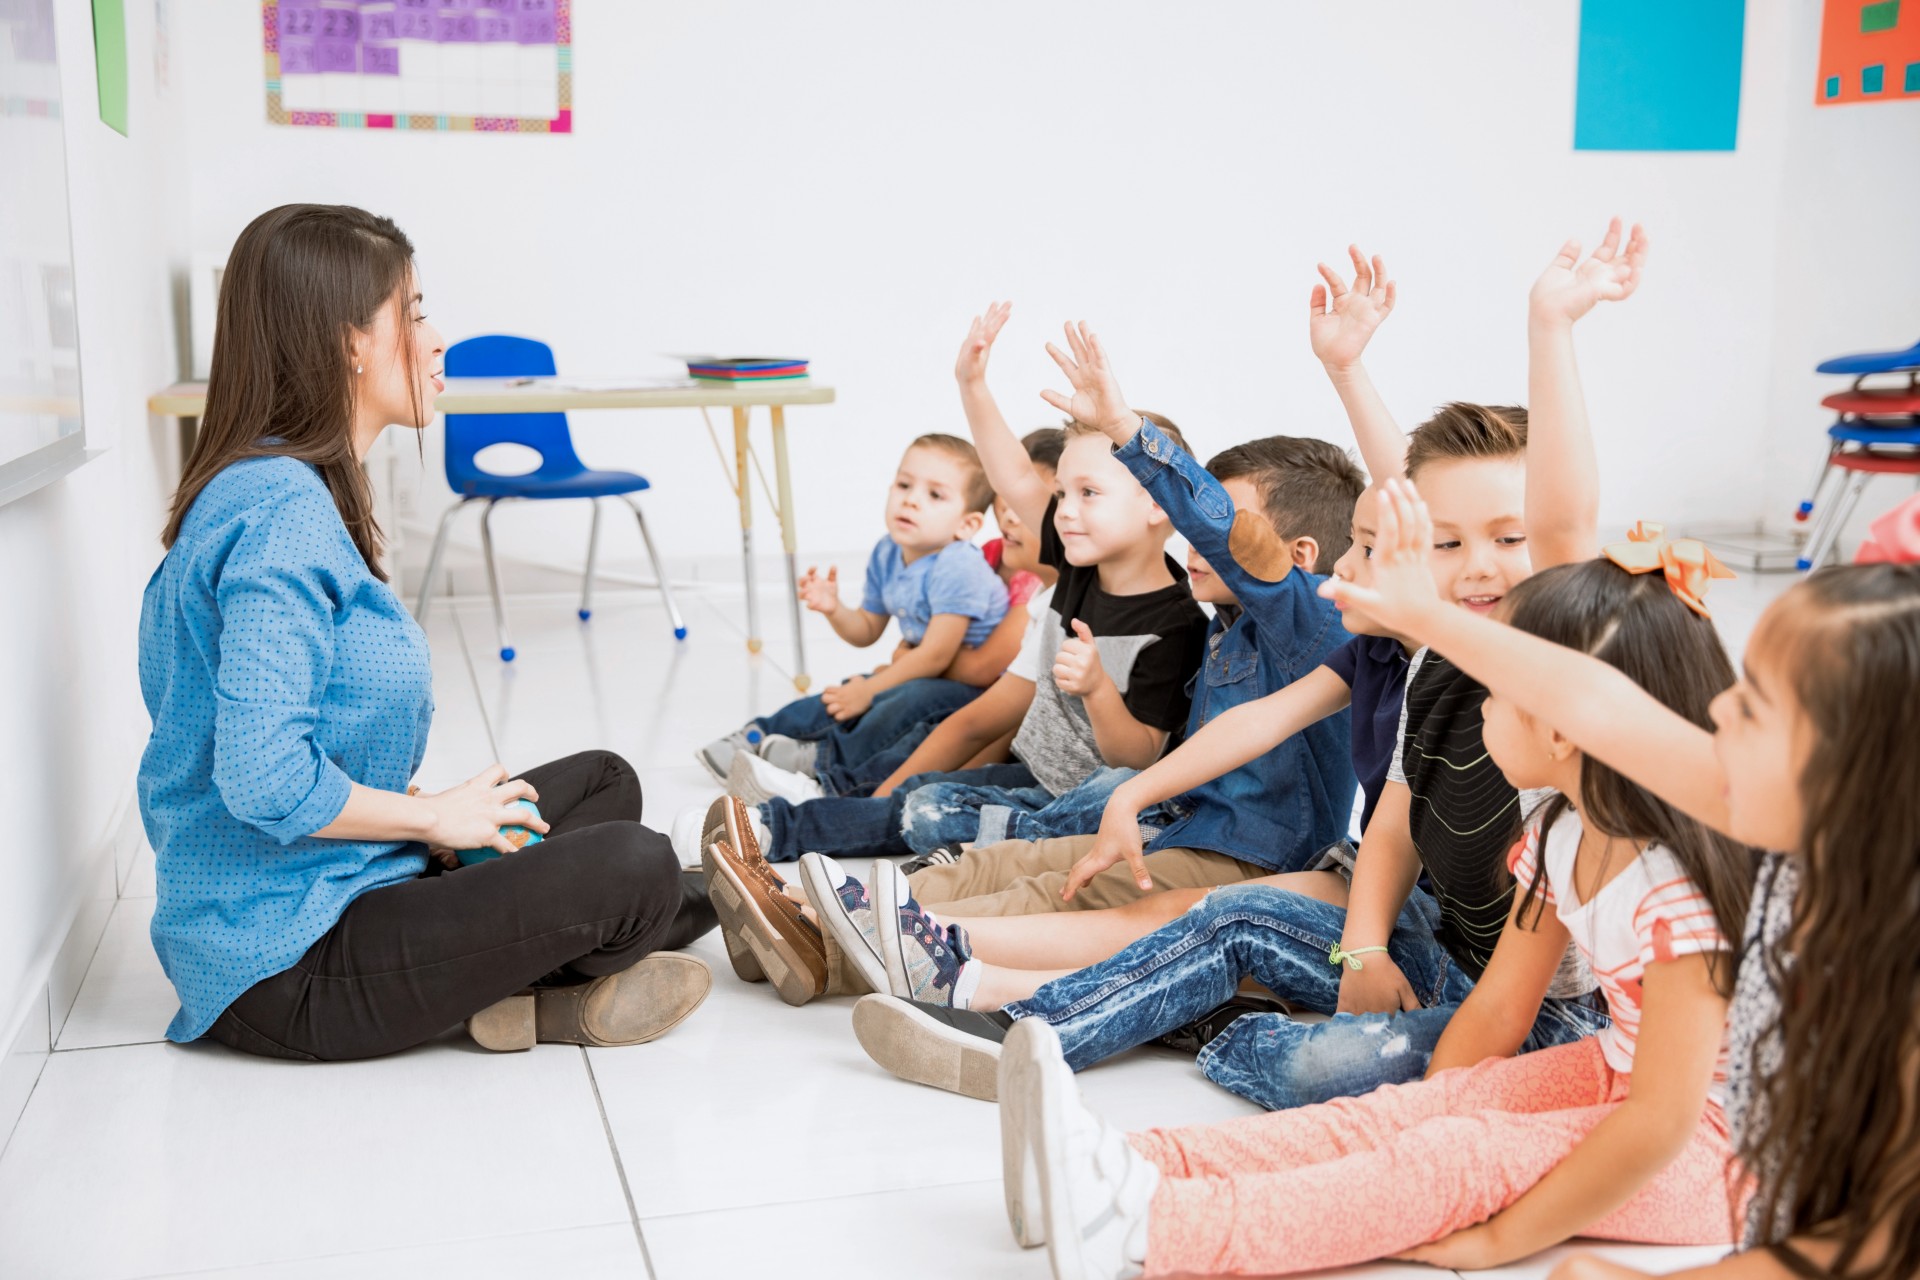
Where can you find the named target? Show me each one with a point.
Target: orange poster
(1869, 50)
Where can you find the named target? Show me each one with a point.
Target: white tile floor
(755, 1139)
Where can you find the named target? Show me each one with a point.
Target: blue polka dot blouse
(278, 671)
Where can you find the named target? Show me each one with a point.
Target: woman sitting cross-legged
(310, 907)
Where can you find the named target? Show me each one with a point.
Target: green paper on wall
(110, 61)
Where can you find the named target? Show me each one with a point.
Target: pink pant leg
(1557, 1079)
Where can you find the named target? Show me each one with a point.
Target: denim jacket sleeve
(1203, 513)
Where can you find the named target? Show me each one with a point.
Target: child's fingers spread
(1317, 300)
(1568, 255)
(1060, 358)
(1334, 284)
(1058, 401)
(1392, 295)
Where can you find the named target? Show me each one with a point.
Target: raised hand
(850, 700)
(972, 365)
(1341, 319)
(1076, 668)
(1118, 841)
(822, 595)
(1096, 398)
(1402, 579)
(1569, 287)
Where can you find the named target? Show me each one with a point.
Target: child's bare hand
(850, 700)
(1402, 590)
(971, 367)
(1341, 320)
(1377, 987)
(822, 595)
(1076, 668)
(1569, 288)
(1096, 398)
(1118, 841)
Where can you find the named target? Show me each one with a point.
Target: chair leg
(1833, 521)
(433, 560)
(659, 570)
(493, 582)
(593, 557)
(1812, 504)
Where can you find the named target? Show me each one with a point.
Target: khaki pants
(1025, 878)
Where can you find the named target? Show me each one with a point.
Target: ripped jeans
(1194, 964)
(962, 811)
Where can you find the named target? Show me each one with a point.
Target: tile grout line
(473, 681)
(619, 1165)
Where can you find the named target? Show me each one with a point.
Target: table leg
(745, 481)
(784, 486)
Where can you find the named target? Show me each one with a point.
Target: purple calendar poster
(490, 65)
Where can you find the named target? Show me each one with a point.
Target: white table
(188, 400)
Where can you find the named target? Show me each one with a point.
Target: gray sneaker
(790, 754)
(845, 913)
(717, 756)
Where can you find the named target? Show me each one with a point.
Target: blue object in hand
(521, 837)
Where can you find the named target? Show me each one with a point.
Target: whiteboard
(41, 433)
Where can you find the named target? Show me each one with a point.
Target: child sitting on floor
(924, 573)
(1492, 1157)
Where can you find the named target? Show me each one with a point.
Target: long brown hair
(1637, 624)
(1836, 1133)
(300, 279)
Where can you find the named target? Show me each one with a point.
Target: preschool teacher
(309, 907)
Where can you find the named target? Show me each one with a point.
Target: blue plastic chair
(1872, 362)
(560, 474)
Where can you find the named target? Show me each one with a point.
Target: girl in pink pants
(1492, 1157)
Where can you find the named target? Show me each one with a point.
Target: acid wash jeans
(1282, 940)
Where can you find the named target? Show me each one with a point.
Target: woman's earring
(357, 369)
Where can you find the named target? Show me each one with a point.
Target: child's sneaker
(924, 959)
(790, 754)
(943, 856)
(953, 1049)
(717, 756)
(1096, 1191)
(846, 914)
(757, 781)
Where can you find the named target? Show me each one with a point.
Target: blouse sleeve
(275, 654)
(1674, 918)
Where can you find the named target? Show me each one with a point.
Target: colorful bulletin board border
(1869, 51)
(277, 112)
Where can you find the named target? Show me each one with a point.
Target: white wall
(75, 555)
(1847, 268)
(851, 181)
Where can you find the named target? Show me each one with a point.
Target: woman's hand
(1341, 320)
(1402, 592)
(1096, 398)
(470, 815)
(1569, 288)
(971, 366)
(1118, 841)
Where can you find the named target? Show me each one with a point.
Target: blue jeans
(863, 826)
(952, 809)
(896, 716)
(1194, 964)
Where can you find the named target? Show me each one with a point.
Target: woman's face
(398, 363)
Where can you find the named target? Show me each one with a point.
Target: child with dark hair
(1492, 1157)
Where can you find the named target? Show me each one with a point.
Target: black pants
(406, 962)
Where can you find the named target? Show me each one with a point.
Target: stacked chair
(1877, 433)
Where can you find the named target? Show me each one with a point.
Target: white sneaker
(790, 754)
(1096, 1191)
(686, 834)
(757, 781)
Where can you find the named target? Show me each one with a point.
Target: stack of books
(746, 369)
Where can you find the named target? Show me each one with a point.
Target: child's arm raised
(1594, 705)
(1682, 1024)
(1009, 470)
(1235, 737)
(1563, 487)
(946, 633)
(1341, 321)
(857, 627)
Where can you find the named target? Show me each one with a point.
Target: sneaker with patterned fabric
(845, 914)
(924, 960)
